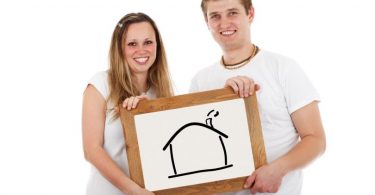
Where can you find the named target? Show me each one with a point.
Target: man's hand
(265, 179)
(242, 85)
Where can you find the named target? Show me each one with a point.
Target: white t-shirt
(113, 142)
(284, 89)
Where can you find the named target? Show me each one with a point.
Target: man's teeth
(227, 32)
(141, 60)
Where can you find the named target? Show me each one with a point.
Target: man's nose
(225, 22)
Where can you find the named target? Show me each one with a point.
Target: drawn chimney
(209, 120)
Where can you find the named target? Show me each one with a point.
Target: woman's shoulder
(100, 82)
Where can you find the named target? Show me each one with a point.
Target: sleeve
(99, 81)
(194, 85)
(297, 88)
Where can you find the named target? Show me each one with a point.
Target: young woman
(137, 70)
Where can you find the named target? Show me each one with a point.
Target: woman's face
(140, 47)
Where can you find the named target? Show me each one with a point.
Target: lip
(141, 60)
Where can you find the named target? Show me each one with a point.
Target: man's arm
(313, 143)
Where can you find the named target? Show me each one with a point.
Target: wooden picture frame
(161, 104)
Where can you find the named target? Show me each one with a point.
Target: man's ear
(206, 20)
(251, 14)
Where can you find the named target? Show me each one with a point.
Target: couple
(288, 103)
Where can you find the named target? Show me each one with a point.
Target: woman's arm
(93, 122)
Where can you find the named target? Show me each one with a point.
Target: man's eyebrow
(228, 10)
(232, 9)
(213, 13)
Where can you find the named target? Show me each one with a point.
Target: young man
(288, 103)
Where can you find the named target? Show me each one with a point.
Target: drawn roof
(192, 124)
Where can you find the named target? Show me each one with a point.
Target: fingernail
(245, 186)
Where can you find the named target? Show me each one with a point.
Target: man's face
(228, 23)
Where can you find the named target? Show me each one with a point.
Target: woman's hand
(142, 191)
(137, 190)
(132, 102)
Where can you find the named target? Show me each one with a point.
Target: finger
(142, 97)
(247, 82)
(252, 87)
(240, 85)
(255, 188)
(130, 103)
(231, 83)
(135, 102)
(125, 103)
(257, 87)
(250, 181)
(252, 190)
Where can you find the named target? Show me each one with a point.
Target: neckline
(253, 59)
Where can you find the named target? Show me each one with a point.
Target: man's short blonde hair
(246, 4)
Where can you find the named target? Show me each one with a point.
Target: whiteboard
(193, 145)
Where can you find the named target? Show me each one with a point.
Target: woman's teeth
(141, 60)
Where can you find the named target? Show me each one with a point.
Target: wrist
(281, 167)
(131, 188)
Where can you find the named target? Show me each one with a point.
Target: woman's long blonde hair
(120, 78)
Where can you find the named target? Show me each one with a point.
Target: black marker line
(191, 124)
(200, 171)
(174, 167)
(225, 152)
(210, 112)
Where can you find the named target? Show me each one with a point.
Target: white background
(49, 49)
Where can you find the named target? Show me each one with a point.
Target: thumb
(257, 87)
(142, 96)
(250, 180)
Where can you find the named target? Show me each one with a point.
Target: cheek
(211, 25)
(128, 52)
(152, 49)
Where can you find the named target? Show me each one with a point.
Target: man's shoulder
(276, 61)
(269, 55)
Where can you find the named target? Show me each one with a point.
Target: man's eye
(232, 13)
(214, 16)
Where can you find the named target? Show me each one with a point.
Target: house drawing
(200, 128)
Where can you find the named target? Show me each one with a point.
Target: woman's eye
(148, 42)
(132, 44)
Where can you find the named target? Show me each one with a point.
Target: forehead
(141, 30)
(223, 5)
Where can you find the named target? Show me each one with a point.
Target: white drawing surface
(193, 145)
